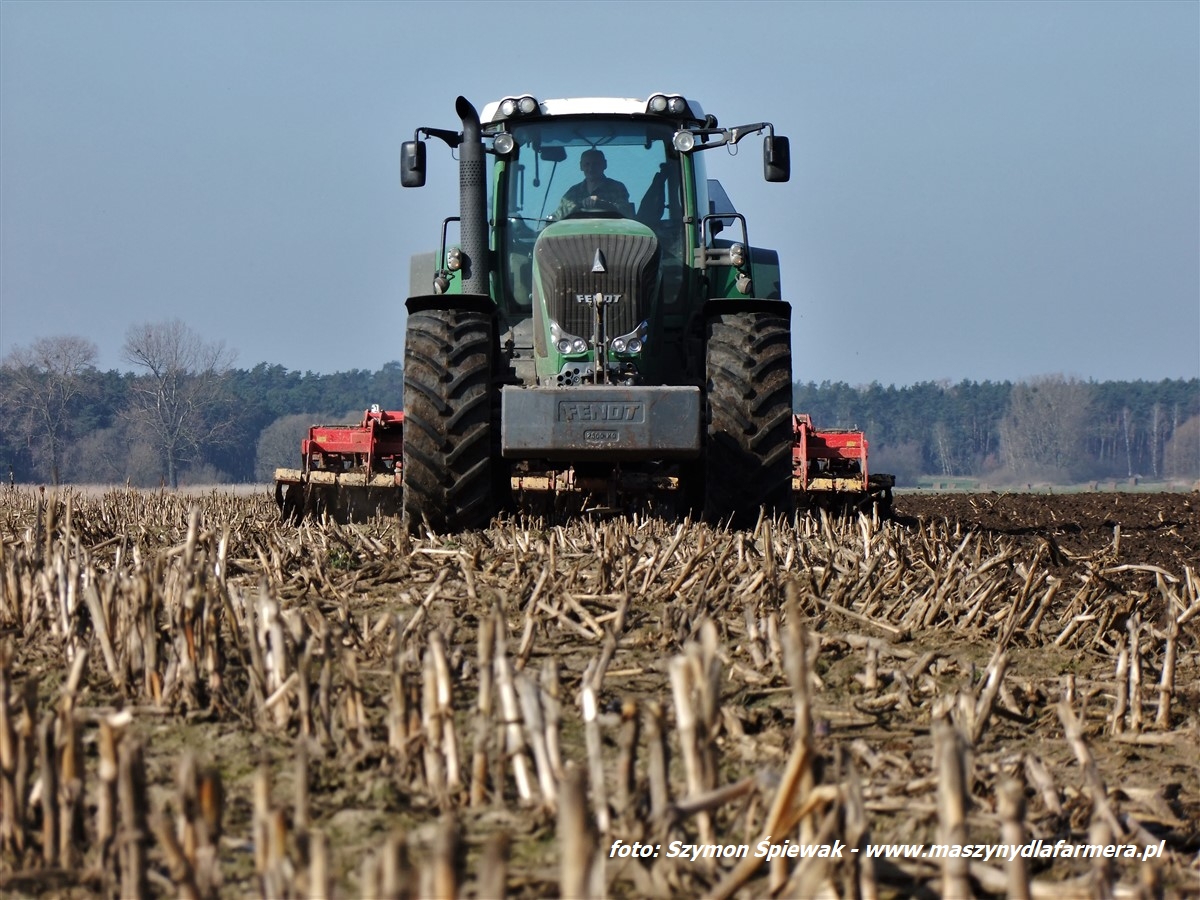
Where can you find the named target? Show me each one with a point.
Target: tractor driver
(597, 191)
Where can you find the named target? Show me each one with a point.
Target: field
(197, 701)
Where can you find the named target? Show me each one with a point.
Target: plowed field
(1155, 529)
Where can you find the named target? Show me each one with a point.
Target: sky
(980, 191)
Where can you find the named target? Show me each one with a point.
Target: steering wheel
(595, 202)
(593, 214)
(594, 207)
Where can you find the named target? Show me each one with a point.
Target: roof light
(672, 105)
(518, 106)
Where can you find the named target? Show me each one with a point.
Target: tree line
(184, 414)
(1047, 429)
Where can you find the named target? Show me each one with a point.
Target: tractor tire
(748, 445)
(448, 420)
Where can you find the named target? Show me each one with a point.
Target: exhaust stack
(472, 188)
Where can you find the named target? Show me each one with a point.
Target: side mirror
(777, 158)
(412, 164)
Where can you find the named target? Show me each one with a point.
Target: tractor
(602, 324)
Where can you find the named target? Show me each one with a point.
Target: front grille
(565, 267)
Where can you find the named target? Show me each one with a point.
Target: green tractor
(602, 323)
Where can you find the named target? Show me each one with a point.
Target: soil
(1158, 529)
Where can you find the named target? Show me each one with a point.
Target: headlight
(683, 141)
(503, 143)
(454, 259)
(564, 342)
(632, 342)
(737, 255)
(571, 345)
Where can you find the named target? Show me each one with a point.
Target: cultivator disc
(557, 496)
(837, 497)
(348, 497)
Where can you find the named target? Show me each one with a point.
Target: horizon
(939, 382)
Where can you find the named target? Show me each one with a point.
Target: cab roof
(593, 106)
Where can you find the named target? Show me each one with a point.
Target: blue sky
(979, 191)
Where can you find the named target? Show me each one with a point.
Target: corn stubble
(196, 701)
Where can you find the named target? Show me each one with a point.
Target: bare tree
(1044, 432)
(943, 448)
(45, 383)
(1181, 455)
(183, 402)
(279, 444)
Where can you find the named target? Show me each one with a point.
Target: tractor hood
(574, 260)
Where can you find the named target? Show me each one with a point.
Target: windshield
(578, 167)
(552, 158)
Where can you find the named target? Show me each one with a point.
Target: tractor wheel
(748, 451)
(448, 401)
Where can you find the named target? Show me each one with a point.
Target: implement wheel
(748, 452)
(448, 423)
(290, 500)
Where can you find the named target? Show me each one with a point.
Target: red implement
(832, 465)
(376, 445)
(346, 469)
(356, 471)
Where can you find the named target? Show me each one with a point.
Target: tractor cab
(602, 235)
(542, 183)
